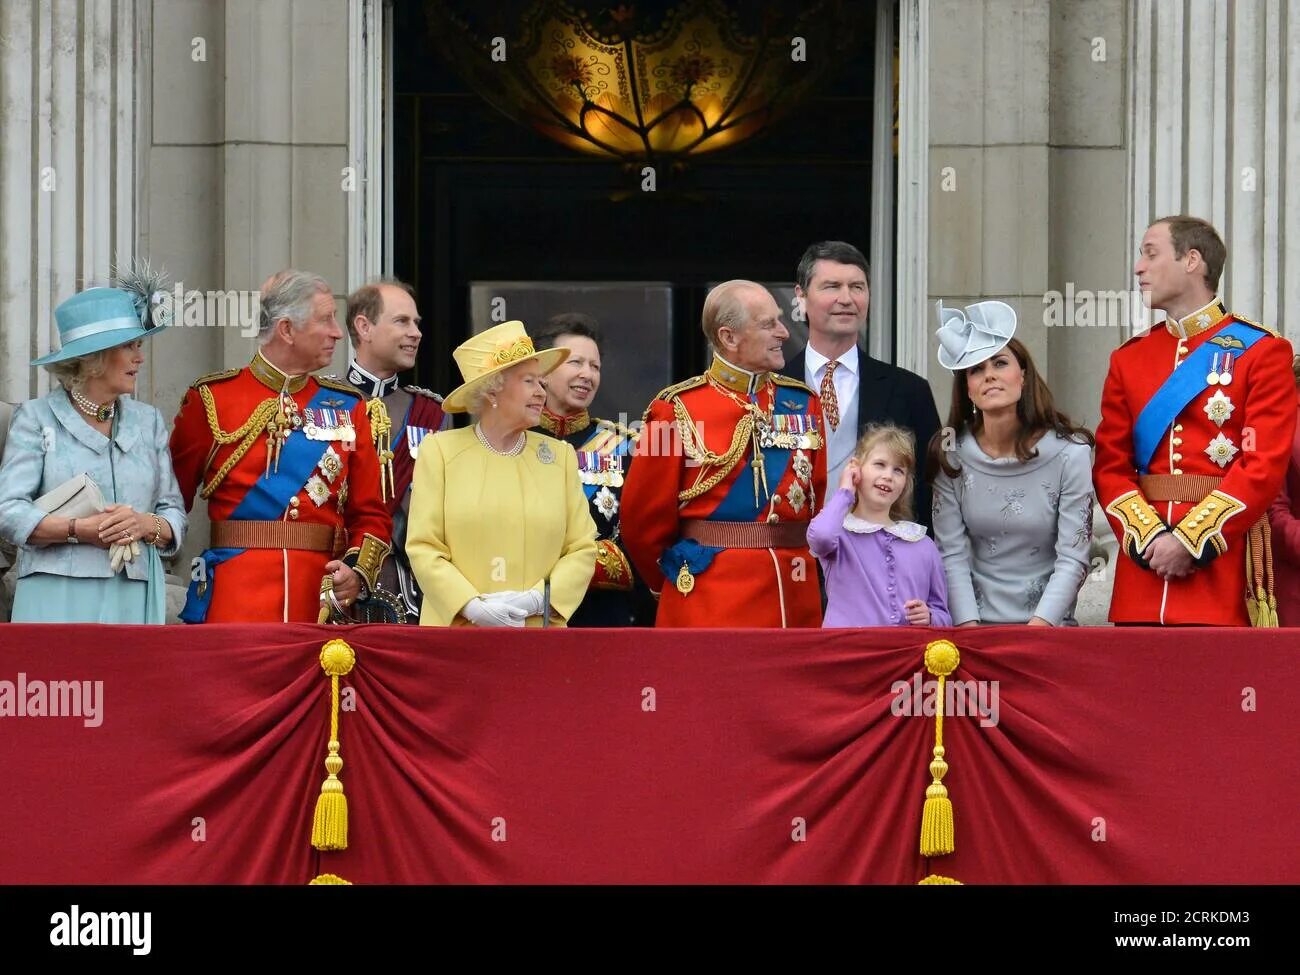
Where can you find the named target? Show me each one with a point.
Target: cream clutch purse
(80, 497)
(77, 497)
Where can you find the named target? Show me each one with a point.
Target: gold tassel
(1261, 603)
(326, 588)
(941, 659)
(334, 880)
(931, 880)
(330, 826)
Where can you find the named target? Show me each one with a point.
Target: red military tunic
(1239, 431)
(342, 491)
(692, 463)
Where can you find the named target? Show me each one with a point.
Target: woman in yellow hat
(500, 531)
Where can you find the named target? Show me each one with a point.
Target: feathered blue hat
(104, 318)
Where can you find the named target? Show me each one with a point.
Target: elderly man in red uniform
(728, 471)
(288, 467)
(1197, 417)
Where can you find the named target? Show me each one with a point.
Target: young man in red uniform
(727, 473)
(1197, 417)
(385, 327)
(288, 468)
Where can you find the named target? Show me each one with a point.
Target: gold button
(294, 502)
(1177, 457)
(293, 513)
(1144, 519)
(1178, 441)
(773, 517)
(1178, 428)
(1182, 350)
(1177, 470)
(1212, 505)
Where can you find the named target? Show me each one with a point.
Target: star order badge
(331, 465)
(317, 490)
(1219, 407)
(606, 503)
(795, 495)
(802, 466)
(1221, 450)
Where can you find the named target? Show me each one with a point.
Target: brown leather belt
(746, 534)
(273, 534)
(1178, 487)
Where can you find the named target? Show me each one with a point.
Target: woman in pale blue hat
(87, 491)
(1012, 479)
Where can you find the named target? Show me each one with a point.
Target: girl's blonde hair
(902, 445)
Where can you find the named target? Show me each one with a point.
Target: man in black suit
(833, 284)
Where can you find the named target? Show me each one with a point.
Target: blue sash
(265, 501)
(739, 504)
(1185, 383)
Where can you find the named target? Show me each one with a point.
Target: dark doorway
(479, 197)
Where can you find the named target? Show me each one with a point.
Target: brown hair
(1036, 412)
(902, 444)
(1192, 233)
(368, 300)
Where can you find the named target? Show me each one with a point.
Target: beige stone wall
(241, 165)
(1027, 173)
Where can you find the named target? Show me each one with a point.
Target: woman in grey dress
(1012, 480)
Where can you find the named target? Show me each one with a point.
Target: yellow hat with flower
(495, 350)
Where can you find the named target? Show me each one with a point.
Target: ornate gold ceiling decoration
(633, 82)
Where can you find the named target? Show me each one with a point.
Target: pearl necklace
(514, 451)
(101, 413)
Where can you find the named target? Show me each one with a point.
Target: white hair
(288, 294)
(478, 397)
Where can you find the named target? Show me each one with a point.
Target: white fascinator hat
(969, 336)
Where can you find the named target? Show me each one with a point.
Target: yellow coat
(483, 523)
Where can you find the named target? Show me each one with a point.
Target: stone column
(67, 168)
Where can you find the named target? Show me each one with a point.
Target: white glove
(527, 601)
(121, 553)
(480, 612)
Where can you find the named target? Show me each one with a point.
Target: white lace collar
(908, 531)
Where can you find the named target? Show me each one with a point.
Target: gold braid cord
(249, 432)
(694, 447)
(381, 430)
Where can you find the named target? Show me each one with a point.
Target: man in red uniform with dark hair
(728, 471)
(1197, 417)
(289, 470)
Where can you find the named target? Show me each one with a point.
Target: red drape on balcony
(571, 756)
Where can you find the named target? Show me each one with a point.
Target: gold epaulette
(671, 393)
(782, 380)
(338, 385)
(1262, 328)
(616, 427)
(215, 377)
(421, 391)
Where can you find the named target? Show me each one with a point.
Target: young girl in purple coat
(880, 568)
